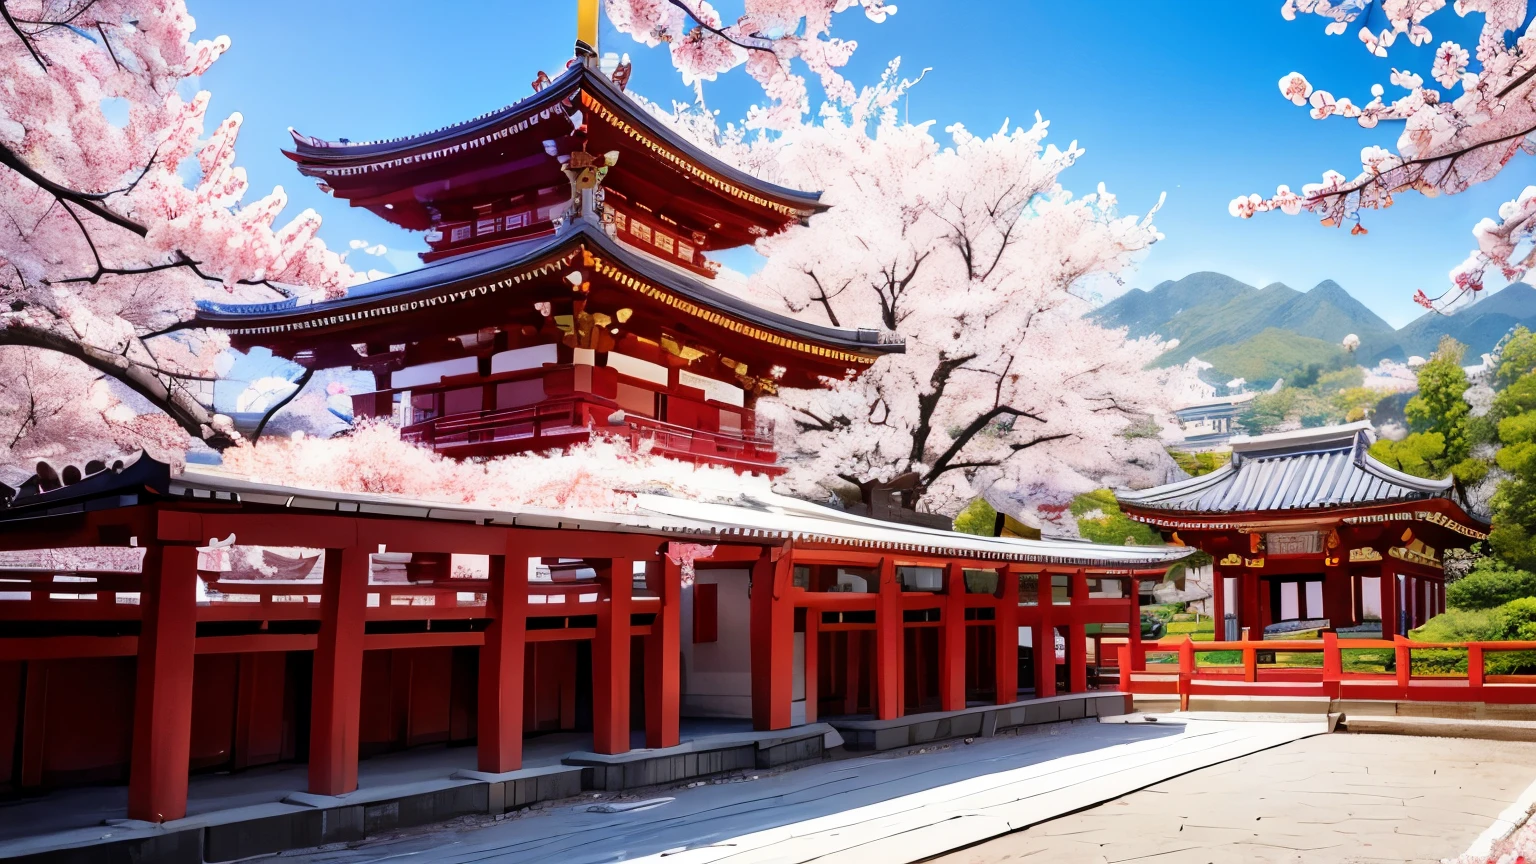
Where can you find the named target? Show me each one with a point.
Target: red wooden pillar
(1388, 582)
(162, 706)
(952, 643)
(890, 633)
(1218, 603)
(610, 660)
(1136, 651)
(335, 704)
(1251, 618)
(499, 709)
(1077, 636)
(1007, 617)
(773, 641)
(1045, 642)
(853, 640)
(663, 655)
(812, 663)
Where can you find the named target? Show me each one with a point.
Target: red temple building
(1309, 532)
(568, 292)
(568, 286)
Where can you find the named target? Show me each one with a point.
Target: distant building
(1211, 423)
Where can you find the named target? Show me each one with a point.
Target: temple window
(467, 400)
(423, 407)
(636, 400)
(920, 578)
(1106, 588)
(1029, 589)
(1061, 589)
(519, 394)
(853, 580)
(981, 581)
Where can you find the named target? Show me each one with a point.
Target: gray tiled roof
(1306, 469)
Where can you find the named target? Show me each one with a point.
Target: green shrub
(1515, 620)
(1491, 583)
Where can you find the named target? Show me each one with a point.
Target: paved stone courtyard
(1332, 798)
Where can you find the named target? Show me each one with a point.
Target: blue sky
(1166, 97)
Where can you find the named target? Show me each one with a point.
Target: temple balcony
(563, 422)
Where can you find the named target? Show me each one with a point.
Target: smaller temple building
(1309, 532)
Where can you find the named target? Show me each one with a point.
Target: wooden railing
(530, 426)
(1185, 675)
(559, 422)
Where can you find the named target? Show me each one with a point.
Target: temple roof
(1302, 470)
(365, 171)
(478, 274)
(760, 516)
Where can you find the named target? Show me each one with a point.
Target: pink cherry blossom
(767, 38)
(1445, 145)
(1450, 63)
(120, 247)
(1295, 88)
(974, 252)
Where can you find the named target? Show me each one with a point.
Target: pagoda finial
(586, 26)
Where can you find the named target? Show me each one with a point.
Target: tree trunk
(188, 413)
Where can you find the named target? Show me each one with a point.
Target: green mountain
(1479, 326)
(1273, 353)
(1266, 333)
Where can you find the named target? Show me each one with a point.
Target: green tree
(978, 518)
(1515, 620)
(1099, 519)
(1203, 462)
(1517, 359)
(1514, 503)
(1491, 583)
(1439, 440)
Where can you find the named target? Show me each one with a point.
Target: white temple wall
(717, 676)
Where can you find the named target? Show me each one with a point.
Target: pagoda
(567, 289)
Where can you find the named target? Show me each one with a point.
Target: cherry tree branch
(26, 40)
(928, 403)
(87, 201)
(717, 31)
(971, 430)
(181, 261)
(176, 402)
(302, 382)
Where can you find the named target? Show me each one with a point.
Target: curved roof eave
(339, 153)
(775, 518)
(479, 265)
(1146, 497)
(342, 152)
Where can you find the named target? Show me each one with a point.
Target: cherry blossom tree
(104, 248)
(602, 475)
(765, 39)
(980, 259)
(1449, 141)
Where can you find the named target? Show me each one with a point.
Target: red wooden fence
(1186, 677)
